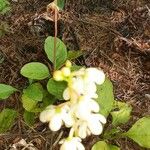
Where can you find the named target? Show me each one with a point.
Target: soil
(115, 36)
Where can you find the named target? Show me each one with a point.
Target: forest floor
(115, 36)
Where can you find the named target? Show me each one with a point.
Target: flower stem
(71, 133)
(55, 40)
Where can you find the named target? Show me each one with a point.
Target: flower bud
(66, 71)
(68, 64)
(73, 143)
(58, 76)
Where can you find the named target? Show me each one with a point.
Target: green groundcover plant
(76, 97)
(4, 6)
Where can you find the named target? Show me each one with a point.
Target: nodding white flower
(81, 112)
(82, 129)
(78, 84)
(56, 116)
(95, 122)
(47, 114)
(70, 93)
(85, 107)
(78, 87)
(95, 75)
(73, 143)
(90, 90)
(93, 125)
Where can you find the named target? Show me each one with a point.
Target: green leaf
(29, 104)
(105, 97)
(56, 88)
(4, 6)
(7, 118)
(101, 145)
(140, 132)
(61, 51)
(113, 147)
(74, 54)
(110, 134)
(6, 91)
(5, 10)
(35, 98)
(35, 70)
(122, 115)
(29, 118)
(75, 67)
(34, 92)
(60, 3)
(48, 99)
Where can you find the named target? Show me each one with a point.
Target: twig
(35, 131)
(57, 140)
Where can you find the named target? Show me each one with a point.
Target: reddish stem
(55, 40)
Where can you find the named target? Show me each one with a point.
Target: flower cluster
(80, 112)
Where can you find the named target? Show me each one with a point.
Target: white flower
(80, 87)
(80, 72)
(95, 75)
(46, 115)
(82, 129)
(76, 87)
(66, 94)
(71, 144)
(90, 89)
(57, 116)
(81, 111)
(95, 122)
(93, 125)
(85, 107)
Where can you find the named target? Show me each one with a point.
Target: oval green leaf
(140, 132)
(74, 54)
(34, 92)
(29, 118)
(56, 88)
(6, 91)
(35, 70)
(61, 51)
(122, 115)
(7, 118)
(48, 99)
(28, 104)
(60, 3)
(113, 147)
(105, 97)
(4, 6)
(101, 145)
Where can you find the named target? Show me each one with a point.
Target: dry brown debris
(115, 36)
